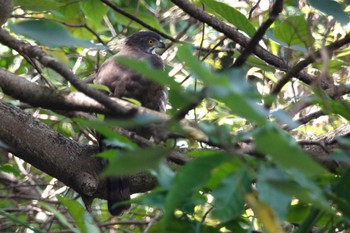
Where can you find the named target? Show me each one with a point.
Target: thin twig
(137, 20)
(276, 10)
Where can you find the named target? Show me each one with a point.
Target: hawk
(123, 82)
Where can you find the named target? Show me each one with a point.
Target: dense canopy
(255, 137)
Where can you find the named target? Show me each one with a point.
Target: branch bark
(27, 50)
(72, 163)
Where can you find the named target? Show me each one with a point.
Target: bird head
(147, 41)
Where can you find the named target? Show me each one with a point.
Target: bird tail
(118, 191)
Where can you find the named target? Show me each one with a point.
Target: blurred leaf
(99, 87)
(265, 214)
(48, 33)
(276, 199)
(129, 163)
(76, 210)
(294, 31)
(333, 65)
(193, 176)
(164, 175)
(144, 68)
(112, 138)
(231, 15)
(60, 217)
(341, 189)
(334, 106)
(155, 198)
(9, 169)
(227, 87)
(285, 152)
(42, 5)
(229, 196)
(283, 117)
(295, 185)
(182, 225)
(333, 8)
(256, 62)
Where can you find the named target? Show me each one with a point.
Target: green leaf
(148, 18)
(294, 31)
(292, 184)
(276, 199)
(164, 175)
(182, 225)
(229, 196)
(327, 104)
(340, 190)
(285, 152)
(48, 33)
(60, 217)
(129, 163)
(94, 10)
(227, 87)
(193, 176)
(9, 169)
(76, 210)
(42, 5)
(333, 8)
(231, 15)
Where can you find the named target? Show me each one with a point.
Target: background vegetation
(255, 138)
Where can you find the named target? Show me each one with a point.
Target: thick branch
(72, 163)
(41, 96)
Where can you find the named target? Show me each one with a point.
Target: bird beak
(160, 45)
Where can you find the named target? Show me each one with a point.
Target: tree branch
(26, 49)
(137, 20)
(72, 163)
(307, 61)
(41, 96)
(276, 10)
(239, 38)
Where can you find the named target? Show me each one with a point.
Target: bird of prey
(123, 82)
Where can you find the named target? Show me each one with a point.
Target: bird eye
(150, 41)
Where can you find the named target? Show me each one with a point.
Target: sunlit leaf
(332, 8)
(231, 15)
(265, 214)
(293, 31)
